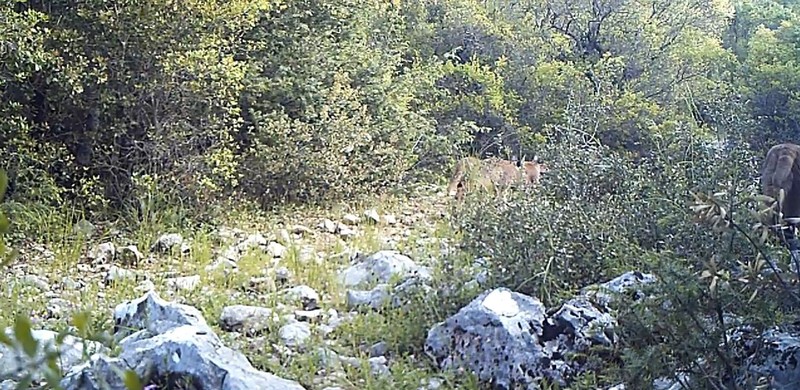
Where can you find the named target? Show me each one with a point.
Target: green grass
(403, 330)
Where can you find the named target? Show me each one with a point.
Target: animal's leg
(455, 184)
(790, 237)
(459, 193)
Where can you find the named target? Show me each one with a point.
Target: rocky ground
(368, 296)
(280, 289)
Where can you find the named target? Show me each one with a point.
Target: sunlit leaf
(132, 381)
(23, 334)
(81, 321)
(763, 198)
(5, 340)
(753, 296)
(25, 383)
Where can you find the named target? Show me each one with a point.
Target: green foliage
(36, 363)
(583, 225)
(5, 223)
(170, 113)
(763, 36)
(599, 214)
(686, 320)
(39, 361)
(335, 98)
(114, 100)
(25, 57)
(330, 110)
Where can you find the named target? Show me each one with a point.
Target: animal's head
(533, 171)
(780, 185)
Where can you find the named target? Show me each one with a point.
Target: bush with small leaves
(599, 213)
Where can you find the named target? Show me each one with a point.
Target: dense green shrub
(143, 88)
(328, 99)
(24, 57)
(595, 214)
(547, 239)
(600, 213)
(330, 110)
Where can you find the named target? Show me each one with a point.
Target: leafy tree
(772, 80)
(329, 110)
(123, 100)
(24, 59)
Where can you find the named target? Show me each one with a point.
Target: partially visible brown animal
(782, 172)
(492, 175)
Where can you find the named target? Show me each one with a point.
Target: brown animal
(782, 172)
(492, 175)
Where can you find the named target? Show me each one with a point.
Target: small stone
(333, 322)
(378, 349)
(390, 219)
(378, 366)
(252, 241)
(84, 228)
(308, 315)
(130, 255)
(307, 296)
(284, 237)
(44, 253)
(328, 226)
(116, 274)
(68, 283)
(232, 253)
(36, 281)
(58, 307)
(167, 242)
(350, 361)
(436, 384)
(227, 233)
(263, 284)
(295, 334)
(276, 250)
(184, 282)
(332, 314)
(103, 253)
(144, 287)
(283, 275)
(247, 319)
(346, 232)
(302, 230)
(307, 254)
(351, 219)
(381, 267)
(372, 216)
(222, 263)
(375, 298)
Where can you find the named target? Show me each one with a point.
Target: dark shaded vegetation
(329, 99)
